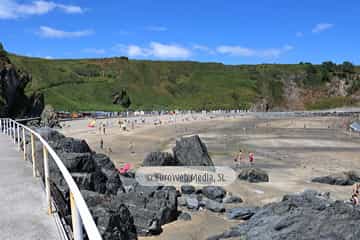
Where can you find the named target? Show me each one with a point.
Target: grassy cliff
(88, 84)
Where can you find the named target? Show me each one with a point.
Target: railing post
(18, 136)
(6, 126)
(14, 131)
(76, 220)
(24, 142)
(10, 128)
(33, 154)
(47, 178)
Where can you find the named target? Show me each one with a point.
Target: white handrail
(79, 209)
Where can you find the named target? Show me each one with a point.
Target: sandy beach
(291, 150)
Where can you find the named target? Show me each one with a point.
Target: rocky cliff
(13, 100)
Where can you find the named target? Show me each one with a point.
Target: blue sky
(228, 31)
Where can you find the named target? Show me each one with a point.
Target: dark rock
(241, 213)
(113, 182)
(232, 199)
(181, 201)
(159, 159)
(191, 151)
(214, 206)
(253, 175)
(95, 181)
(151, 207)
(344, 178)
(214, 192)
(37, 104)
(113, 222)
(78, 162)
(184, 216)
(13, 100)
(71, 145)
(309, 215)
(187, 189)
(49, 117)
(192, 203)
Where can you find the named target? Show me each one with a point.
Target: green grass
(88, 84)
(331, 102)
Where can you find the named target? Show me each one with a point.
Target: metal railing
(80, 213)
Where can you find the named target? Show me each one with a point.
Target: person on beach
(238, 158)
(251, 158)
(104, 129)
(101, 143)
(131, 147)
(355, 197)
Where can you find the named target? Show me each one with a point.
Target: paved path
(23, 211)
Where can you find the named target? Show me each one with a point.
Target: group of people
(240, 157)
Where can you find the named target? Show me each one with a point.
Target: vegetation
(90, 84)
(331, 102)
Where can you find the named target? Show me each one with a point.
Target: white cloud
(155, 49)
(49, 32)
(322, 27)
(203, 48)
(11, 9)
(250, 52)
(156, 28)
(299, 34)
(97, 51)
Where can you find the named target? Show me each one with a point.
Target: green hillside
(88, 84)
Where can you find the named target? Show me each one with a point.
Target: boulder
(184, 216)
(214, 206)
(254, 175)
(187, 189)
(114, 222)
(78, 162)
(159, 159)
(344, 178)
(71, 145)
(151, 207)
(113, 181)
(192, 203)
(49, 117)
(232, 199)
(241, 213)
(181, 201)
(214, 192)
(191, 151)
(309, 215)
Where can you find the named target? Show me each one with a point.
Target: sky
(227, 31)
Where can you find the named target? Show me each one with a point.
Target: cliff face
(13, 101)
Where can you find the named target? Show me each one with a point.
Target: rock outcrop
(253, 175)
(344, 178)
(13, 101)
(191, 151)
(309, 215)
(188, 151)
(49, 117)
(118, 203)
(159, 159)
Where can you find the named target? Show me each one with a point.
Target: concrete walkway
(23, 211)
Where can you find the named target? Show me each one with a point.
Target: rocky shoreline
(124, 209)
